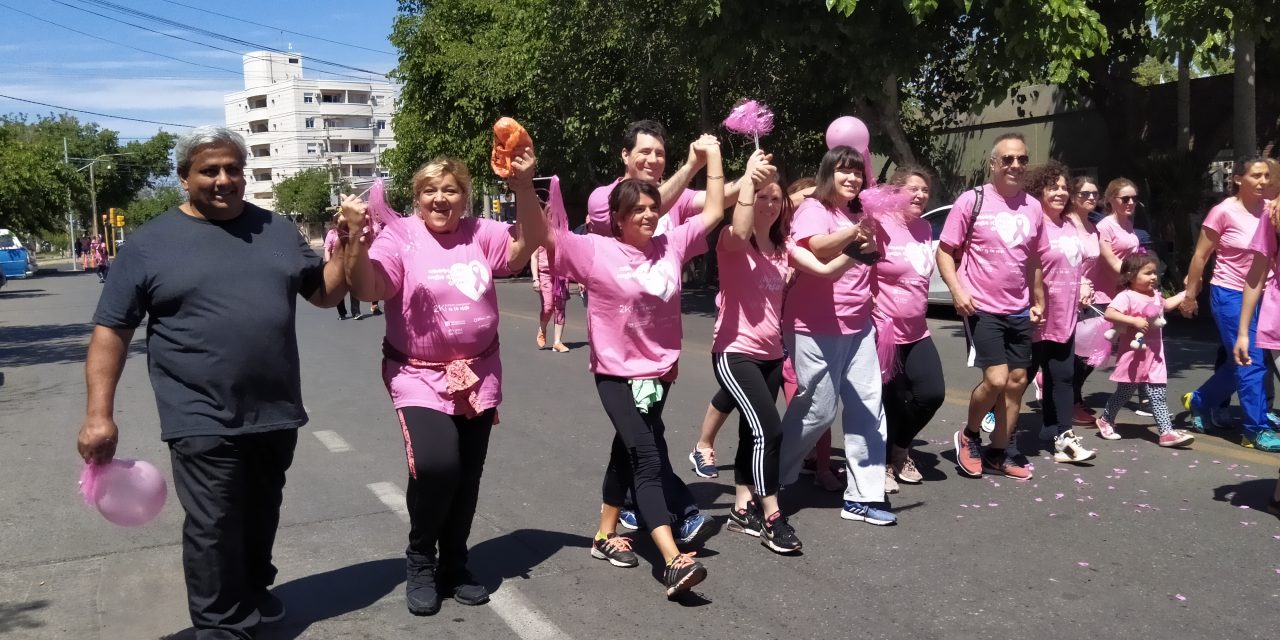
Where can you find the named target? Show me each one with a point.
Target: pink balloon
(129, 493)
(848, 131)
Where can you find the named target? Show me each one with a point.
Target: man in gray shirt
(217, 281)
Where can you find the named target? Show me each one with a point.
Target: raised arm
(1195, 272)
(361, 276)
(108, 349)
(679, 181)
(744, 212)
(531, 225)
(713, 211)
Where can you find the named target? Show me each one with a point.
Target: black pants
(446, 457)
(915, 393)
(1057, 362)
(638, 459)
(355, 307)
(753, 383)
(230, 488)
(723, 402)
(102, 270)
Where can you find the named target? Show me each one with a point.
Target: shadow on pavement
(516, 554)
(17, 616)
(22, 293)
(49, 344)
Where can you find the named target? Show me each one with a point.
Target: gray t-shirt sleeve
(125, 297)
(311, 279)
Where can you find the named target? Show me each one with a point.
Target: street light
(93, 188)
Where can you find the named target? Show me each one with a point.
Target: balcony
(257, 102)
(258, 126)
(344, 109)
(260, 151)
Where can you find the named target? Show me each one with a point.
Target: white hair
(207, 136)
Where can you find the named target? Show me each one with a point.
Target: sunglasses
(1087, 195)
(1008, 161)
(1127, 199)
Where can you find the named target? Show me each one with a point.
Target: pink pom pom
(884, 200)
(557, 217)
(380, 213)
(750, 118)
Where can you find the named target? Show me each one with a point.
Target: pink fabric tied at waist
(886, 348)
(461, 381)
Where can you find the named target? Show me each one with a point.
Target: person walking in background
(331, 241)
(101, 257)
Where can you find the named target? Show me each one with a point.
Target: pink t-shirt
(1006, 238)
(752, 285)
(633, 311)
(1062, 263)
(1264, 244)
(1106, 283)
(1235, 227)
(444, 307)
(819, 306)
(331, 241)
(598, 211)
(1090, 252)
(1139, 365)
(902, 276)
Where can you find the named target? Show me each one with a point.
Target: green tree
(36, 188)
(306, 194)
(151, 202)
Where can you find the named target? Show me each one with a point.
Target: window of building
(308, 97)
(310, 123)
(330, 123)
(293, 61)
(312, 148)
(382, 124)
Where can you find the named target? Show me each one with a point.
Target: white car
(938, 291)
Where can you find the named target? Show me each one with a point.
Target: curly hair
(1036, 179)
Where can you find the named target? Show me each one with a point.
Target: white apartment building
(291, 124)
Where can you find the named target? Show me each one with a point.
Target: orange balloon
(509, 138)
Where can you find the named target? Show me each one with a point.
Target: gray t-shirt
(220, 300)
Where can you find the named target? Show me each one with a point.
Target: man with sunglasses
(989, 256)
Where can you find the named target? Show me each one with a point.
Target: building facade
(292, 124)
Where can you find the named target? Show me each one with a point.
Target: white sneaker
(890, 482)
(989, 422)
(1069, 448)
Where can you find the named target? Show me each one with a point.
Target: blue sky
(46, 63)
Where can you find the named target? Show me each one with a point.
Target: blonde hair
(1113, 190)
(438, 168)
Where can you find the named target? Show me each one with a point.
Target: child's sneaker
(1069, 448)
(1176, 438)
(616, 549)
(1107, 430)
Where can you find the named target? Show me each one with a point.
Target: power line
(95, 113)
(212, 34)
(325, 39)
(83, 33)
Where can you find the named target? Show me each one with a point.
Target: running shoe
(968, 453)
(1003, 465)
(420, 586)
(779, 536)
(1176, 438)
(867, 513)
(989, 422)
(890, 482)
(746, 521)
(1265, 440)
(1083, 416)
(1144, 410)
(1107, 430)
(1069, 448)
(689, 528)
(460, 585)
(682, 574)
(616, 549)
(704, 462)
(1201, 422)
(905, 469)
(1273, 419)
(629, 519)
(1015, 455)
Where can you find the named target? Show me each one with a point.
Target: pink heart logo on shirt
(472, 278)
(920, 257)
(1070, 248)
(1013, 228)
(657, 278)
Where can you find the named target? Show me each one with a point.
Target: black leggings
(915, 393)
(1058, 362)
(754, 384)
(446, 456)
(355, 306)
(723, 402)
(638, 459)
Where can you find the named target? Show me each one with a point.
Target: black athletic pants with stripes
(754, 383)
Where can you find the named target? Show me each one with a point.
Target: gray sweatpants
(833, 370)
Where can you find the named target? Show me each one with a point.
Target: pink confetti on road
(1092, 514)
(1079, 480)
(1111, 488)
(1191, 466)
(1119, 472)
(1042, 500)
(1179, 597)
(995, 484)
(1058, 496)
(1085, 564)
(1217, 462)
(993, 504)
(1276, 537)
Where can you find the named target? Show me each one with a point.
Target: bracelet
(715, 177)
(747, 204)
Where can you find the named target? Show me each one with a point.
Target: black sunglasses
(1009, 160)
(1088, 195)
(1127, 199)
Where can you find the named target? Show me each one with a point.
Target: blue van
(15, 260)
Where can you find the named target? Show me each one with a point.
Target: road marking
(332, 441)
(392, 496)
(521, 616)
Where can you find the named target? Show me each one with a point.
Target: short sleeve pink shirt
(1007, 236)
(598, 211)
(1123, 243)
(752, 285)
(1264, 244)
(1235, 227)
(633, 311)
(1090, 252)
(817, 305)
(444, 307)
(331, 241)
(902, 276)
(1062, 262)
(1139, 365)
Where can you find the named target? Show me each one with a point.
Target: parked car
(938, 291)
(16, 261)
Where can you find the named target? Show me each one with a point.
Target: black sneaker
(746, 521)
(682, 574)
(778, 535)
(270, 608)
(377, 312)
(462, 587)
(616, 549)
(358, 316)
(420, 587)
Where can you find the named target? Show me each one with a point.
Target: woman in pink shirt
(1229, 230)
(331, 241)
(634, 327)
(1065, 291)
(100, 257)
(1084, 199)
(435, 271)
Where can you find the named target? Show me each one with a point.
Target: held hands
(698, 150)
(1188, 307)
(760, 168)
(97, 440)
(1086, 293)
(354, 215)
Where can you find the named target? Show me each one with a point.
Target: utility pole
(71, 213)
(93, 199)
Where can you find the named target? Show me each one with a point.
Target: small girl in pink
(1137, 312)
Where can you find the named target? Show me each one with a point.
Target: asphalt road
(1144, 543)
